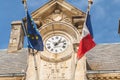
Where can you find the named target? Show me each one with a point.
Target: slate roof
(13, 63)
(104, 57)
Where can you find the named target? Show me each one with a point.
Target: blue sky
(104, 16)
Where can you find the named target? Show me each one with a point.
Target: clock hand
(59, 40)
(57, 43)
(63, 41)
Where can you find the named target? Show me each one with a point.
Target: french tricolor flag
(86, 42)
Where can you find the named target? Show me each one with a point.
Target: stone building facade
(58, 21)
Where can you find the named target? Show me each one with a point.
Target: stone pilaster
(80, 73)
(16, 37)
(33, 70)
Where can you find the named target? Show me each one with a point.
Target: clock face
(56, 44)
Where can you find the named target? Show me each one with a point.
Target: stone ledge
(103, 75)
(16, 22)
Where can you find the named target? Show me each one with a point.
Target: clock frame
(59, 29)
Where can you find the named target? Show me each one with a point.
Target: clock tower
(60, 25)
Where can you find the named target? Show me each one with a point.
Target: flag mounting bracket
(75, 47)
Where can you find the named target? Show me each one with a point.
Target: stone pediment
(52, 5)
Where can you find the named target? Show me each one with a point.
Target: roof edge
(3, 49)
(102, 71)
(13, 75)
(107, 43)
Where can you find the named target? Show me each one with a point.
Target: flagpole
(23, 21)
(24, 2)
(90, 2)
(23, 27)
(74, 70)
(35, 64)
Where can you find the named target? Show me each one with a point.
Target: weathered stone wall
(47, 70)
